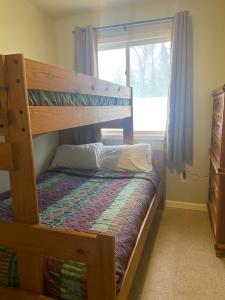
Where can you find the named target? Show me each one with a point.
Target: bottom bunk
(110, 203)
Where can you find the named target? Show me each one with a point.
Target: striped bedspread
(83, 200)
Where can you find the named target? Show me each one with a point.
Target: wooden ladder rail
(16, 156)
(4, 126)
(6, 159)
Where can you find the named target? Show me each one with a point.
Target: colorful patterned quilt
(84, 201)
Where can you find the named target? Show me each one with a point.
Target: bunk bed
(30, 105)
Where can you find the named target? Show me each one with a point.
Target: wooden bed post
(128, 126)
(4, 126)
(23, 178)
(128, 131)
(101, 271)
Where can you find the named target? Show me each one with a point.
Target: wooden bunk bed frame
(18, 123)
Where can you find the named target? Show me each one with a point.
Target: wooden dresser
(216, 202)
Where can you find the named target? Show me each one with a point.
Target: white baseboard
(186, 205)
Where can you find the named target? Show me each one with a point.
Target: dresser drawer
(217, 127)
(216, 146)
(213, 217)
(214, 188)
(214, 194)
(218, 105)
(214, 177)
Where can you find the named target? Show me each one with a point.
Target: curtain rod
(124, 25)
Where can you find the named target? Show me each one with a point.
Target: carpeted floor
(179, 261)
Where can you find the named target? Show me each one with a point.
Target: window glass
(148, 71)
(112, 65)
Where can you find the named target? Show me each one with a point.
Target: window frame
(139, 135)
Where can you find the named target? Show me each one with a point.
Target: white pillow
(77, 156)
(134, 158)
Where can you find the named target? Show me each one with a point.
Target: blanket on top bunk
(49, 98)
(112, 202)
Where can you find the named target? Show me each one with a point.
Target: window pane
(150, 67)
(112, 65)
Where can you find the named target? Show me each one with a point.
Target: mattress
(49, 98)
(109, 202)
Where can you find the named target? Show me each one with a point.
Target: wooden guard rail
(97, 251)
(45, 119)
(42, 76)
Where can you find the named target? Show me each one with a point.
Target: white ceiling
(58, 8)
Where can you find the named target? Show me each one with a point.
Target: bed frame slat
(66, 244)
(7, 293)
(51, 118)
(96, 250)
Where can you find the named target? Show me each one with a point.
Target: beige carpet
(179, 261)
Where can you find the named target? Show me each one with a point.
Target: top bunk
(51, 98)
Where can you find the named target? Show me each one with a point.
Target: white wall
(25, 29)
(209, 70)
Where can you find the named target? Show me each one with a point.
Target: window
(145, 65)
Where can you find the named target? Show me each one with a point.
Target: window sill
(138, 135)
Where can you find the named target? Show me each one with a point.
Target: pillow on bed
(134, 158)
(77, 156)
